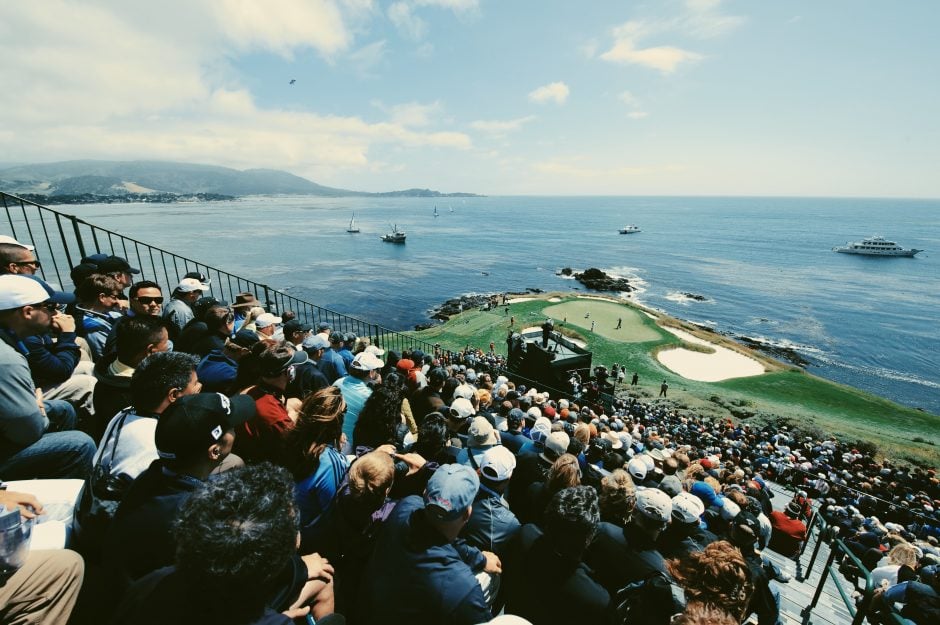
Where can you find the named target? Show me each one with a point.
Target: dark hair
(95, 285)
(10, 253)
(393, 378)
(571, 519)
(234, 535)
(143, 284)
(157, 375)
(717, 576)
(378, 421)
(217, 318)
(136, 334)
(319, 423)
(432, 435)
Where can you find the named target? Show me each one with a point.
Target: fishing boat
(875, 246)
(395, 236)
(352, 225)
(629, 229)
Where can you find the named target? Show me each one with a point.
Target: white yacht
(875, 246)
(629, 229)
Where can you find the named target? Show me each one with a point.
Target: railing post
(78, 235)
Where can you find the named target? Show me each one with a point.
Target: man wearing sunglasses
(36, 440)
(146, 298)
(17, 258)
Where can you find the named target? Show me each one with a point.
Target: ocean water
(764, 265)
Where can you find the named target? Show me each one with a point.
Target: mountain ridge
(108, 178)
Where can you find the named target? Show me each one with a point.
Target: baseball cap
(730, 510)
(555, 445)
(19, 290)
(295, 325)
(481, 433)
(654, 504)
(188, 285)
(450, 491)
(364, 361)
(199, 276)
(465, 390)
(316, 342)
(541, 430)
(115, 264)
(193, 422)
(337, 337)
(461, 408)
(273, 364)
(267, 319)
(747, 523)
(375, 350)
(671, 485)
(11, 241)
(323, 326)
(687, 508)
(515, 418)
(497, 464)
(637, 469)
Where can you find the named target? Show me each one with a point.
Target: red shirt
(788, 534)
(262, 437)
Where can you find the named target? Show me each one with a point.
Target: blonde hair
(583, 433)
(904, 554)
(565, 473)
(371, 477)
(617, 497)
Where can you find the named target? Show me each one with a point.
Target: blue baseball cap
(450, 491)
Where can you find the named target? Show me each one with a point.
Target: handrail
(861, 611)
(817, 522)
(58, 236)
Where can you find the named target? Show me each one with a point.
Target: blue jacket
(216, 372)
(332, 365)
(420, 578)
(52, 362)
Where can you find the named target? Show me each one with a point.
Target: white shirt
(136, 446)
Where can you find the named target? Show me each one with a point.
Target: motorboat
(395, 236)
(352, 225)
(875, 246)
(629, 229)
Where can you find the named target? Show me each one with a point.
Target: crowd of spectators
(247, 467)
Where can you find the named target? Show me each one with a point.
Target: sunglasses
(146, 301)
(52, 307)
(34, 263)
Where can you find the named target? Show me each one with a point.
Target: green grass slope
(783, 393)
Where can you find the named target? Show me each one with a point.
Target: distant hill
(106, 178)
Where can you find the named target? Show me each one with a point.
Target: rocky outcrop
(597, 280)
(457, 305)
(782, 353)
(696, 297)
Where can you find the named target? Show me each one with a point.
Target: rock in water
(597, 280)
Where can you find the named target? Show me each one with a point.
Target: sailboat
(436, 214)
(352, 224)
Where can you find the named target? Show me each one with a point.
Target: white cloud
(633, 103)
(699, 19)
(367, 57)
(412, 113)
(498, 127)
(406, 21)
(126, 81)
(553, 92)
(637, 114)
(628, 98)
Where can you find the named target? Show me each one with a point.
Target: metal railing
(62, 240)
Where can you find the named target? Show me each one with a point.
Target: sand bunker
(554, 300)
(517, 300)
(723, 364)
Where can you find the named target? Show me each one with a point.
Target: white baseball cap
(365, 361)
(267, 319)
(4, 238)
(497, 463)
(188, 285)
(17, 291)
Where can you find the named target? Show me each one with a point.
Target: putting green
(605, 316)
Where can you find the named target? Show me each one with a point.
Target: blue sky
(673, 97)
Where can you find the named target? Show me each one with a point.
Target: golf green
(581, 312)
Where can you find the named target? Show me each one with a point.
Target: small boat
(395, 236)
(629, 229)
(875, 246)
(451, 209)
(352, 225)
(436, 214)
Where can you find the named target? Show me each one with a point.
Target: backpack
(100, 497)
(651, 601)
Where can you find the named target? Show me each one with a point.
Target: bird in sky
(293, 80)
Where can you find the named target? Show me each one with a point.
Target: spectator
(296, 332)
(45, 588)
(236, 560)
(624, 555)
(140, 337)
(356, 390)
(685, 533)
(36, 440)
(492, 525)
(789, 532)
(902, 557)
(178, 312)
(434, 441)
(380, 421)
(119, 269)
(216, 324)
(17, 258)
(266, 325)
(745, 530)
(55, 363)
(331, 364)
(313, 455)
(428, 399)
(308, 376)
(617, 498)
(551, 561)
(513, 438)
(194, 435)
(244, 302)
(99, 300)
(419, 542)
(716, 576)
(145, 298)
(481, 436)
(345, 352)
(219, 369)
(564, 473)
